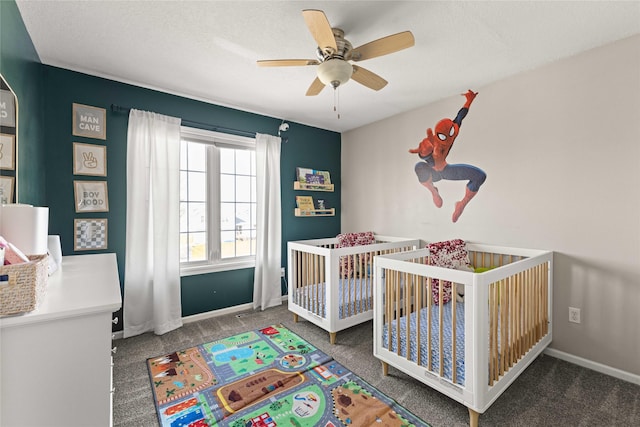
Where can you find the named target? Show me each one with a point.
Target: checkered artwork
(90, 234)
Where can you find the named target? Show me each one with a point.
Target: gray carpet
(551, 392)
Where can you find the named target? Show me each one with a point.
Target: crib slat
(535, 311)
(514, 321)
(545, 297)
(407, 301)
(388, 305)
(538, 296)
(299, 270)
(429, 310)
(316, 283)
(508, 325)
(321, 286)
(312, 299)
(498, 330)
(441, 326)
(543, 306)
(493, 328)
(419, 281)
(396, 282)
(504, 324)
(523, 313)
(491, 364)
(347, 291)
(305, 280)
(300, 278)
(311, 292)
(454, 375)
(309, 280)
(538, 280)
(526, 312)
(517, 307)
(530, 307)
(364, 287)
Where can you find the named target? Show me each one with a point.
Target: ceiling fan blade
(367, 78)
(286, 62)
(320, 29)
(383, 46)
(315, 88)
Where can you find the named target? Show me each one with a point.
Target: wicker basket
(26, 287)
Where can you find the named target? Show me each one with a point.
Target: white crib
(503, 323)
(332, 287)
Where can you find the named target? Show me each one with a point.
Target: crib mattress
(355, 296)
(435, 338)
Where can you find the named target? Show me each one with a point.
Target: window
(217, 202)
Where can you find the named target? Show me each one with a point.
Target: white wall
(561, 149)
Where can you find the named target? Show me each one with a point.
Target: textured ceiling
(207, 50)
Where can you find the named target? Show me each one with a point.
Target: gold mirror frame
(10, 168)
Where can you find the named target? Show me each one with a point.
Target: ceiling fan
(334, 53)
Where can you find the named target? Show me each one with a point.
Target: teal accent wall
(306, 147)
(21, 67)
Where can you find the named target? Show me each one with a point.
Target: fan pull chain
(336, 101)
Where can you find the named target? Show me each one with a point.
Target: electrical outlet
(282, 272)
(574, 315)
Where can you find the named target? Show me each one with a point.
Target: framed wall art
(6, 189)
(7, 108)
(89, 159)
(91, 196)
(7, 151)
(89, 121)
(90, 234)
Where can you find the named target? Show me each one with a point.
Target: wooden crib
(332, 287)
(502, 324)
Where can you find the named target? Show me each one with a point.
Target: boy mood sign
(91, 196)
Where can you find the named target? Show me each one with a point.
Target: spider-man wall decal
(433, 167)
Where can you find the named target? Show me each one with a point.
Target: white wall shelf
(297, 185)
(315, 212)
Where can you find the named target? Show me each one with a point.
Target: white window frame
(214, 263)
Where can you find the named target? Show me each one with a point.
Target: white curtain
(152, 259)
(266, 284)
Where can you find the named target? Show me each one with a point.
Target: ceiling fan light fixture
(335, 72)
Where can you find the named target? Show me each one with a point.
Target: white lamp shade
(335, 72)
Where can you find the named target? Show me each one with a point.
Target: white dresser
(55, 362)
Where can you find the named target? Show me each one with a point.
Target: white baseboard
(208, 315)
(595, 366)
(216, 313)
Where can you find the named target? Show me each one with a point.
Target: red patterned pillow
(355, 239)
(448, 254)
(346, 240)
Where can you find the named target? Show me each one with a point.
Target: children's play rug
(266, 378)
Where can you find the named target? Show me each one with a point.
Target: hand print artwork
(90, 162)
(89, 159)
(7, 151)
(433, 167)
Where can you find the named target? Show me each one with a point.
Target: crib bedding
(435, 339)
(355, 295)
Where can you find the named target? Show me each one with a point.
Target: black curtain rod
(125, 110)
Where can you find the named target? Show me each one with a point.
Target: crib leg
(295, 318)
(332, 337)
(473, 418)
(385, 369)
